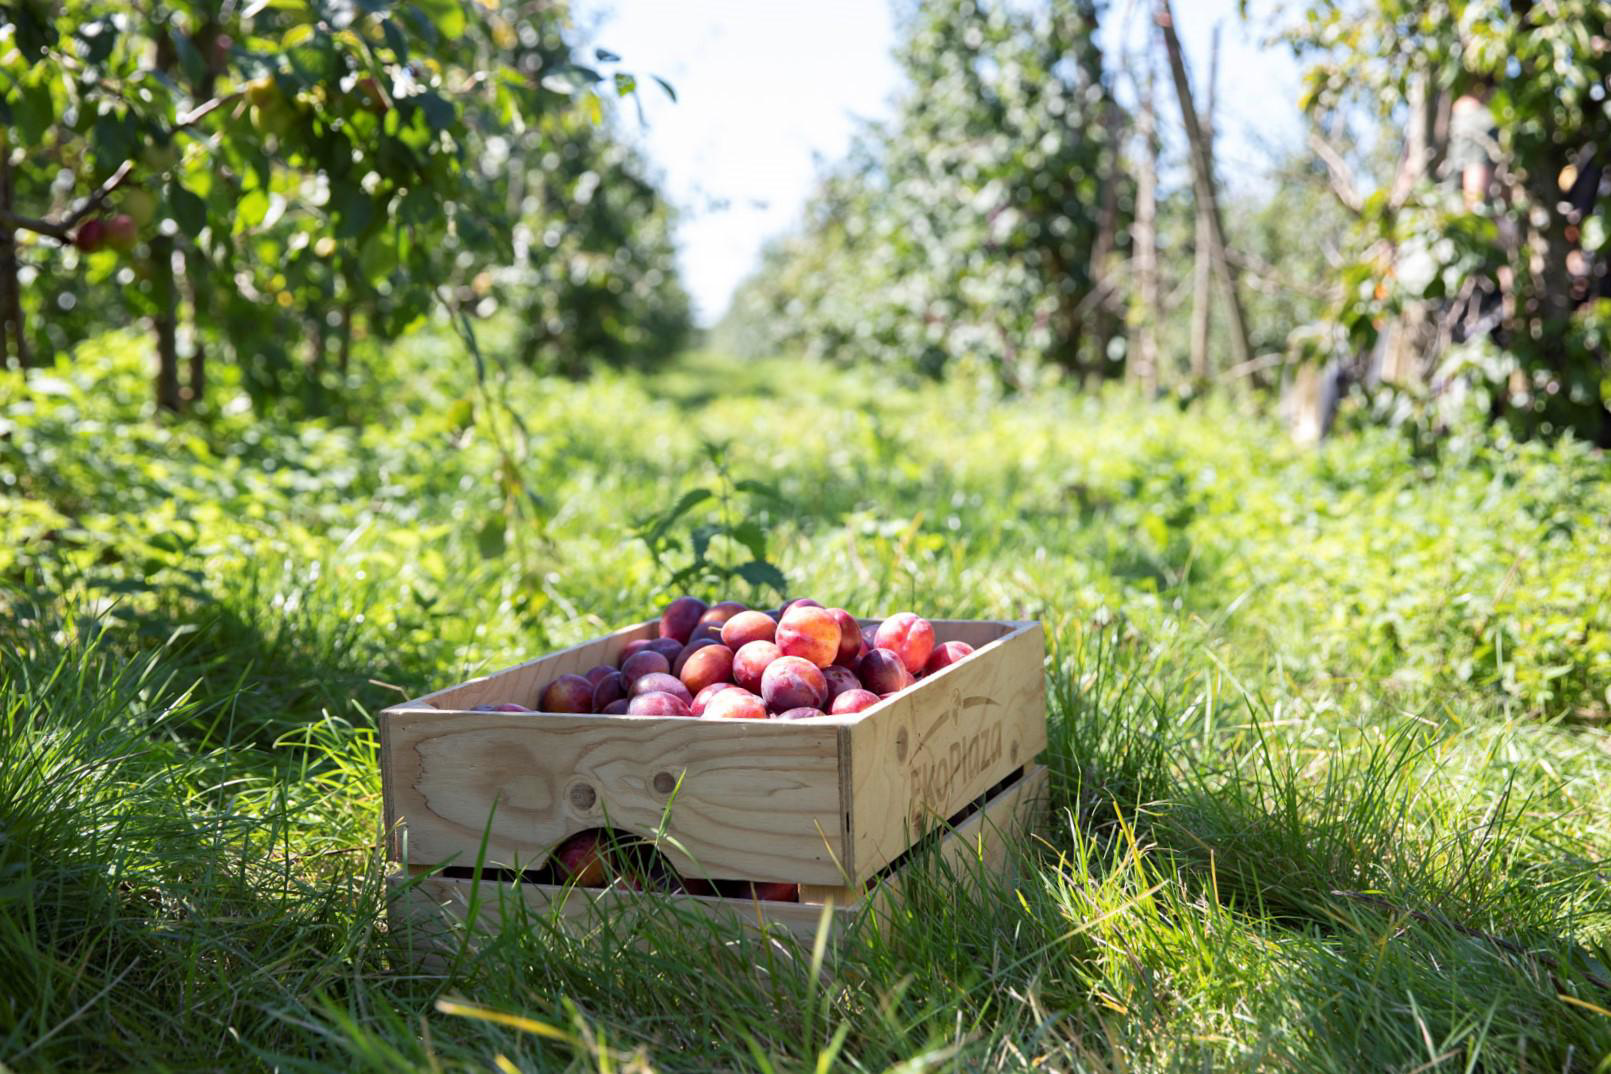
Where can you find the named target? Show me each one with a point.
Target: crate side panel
(936, 747)
(424, 908)
(758, 800)
(524, 683)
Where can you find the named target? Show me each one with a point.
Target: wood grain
(924, 754)
(827, 802)
(758, 799)
(423, 911)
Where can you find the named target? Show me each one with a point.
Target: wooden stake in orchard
(1203, 183)
(1202, 263)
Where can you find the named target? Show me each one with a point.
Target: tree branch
(1341, 175)
(61, 230)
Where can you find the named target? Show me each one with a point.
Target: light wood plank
(424, 911)
(924, 754)
(758, 800)
(523, 684)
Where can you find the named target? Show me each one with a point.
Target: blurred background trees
(1436, 253)
(263, 183)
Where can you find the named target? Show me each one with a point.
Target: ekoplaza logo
(954, 752)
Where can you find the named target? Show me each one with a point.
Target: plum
(706, 632)
(602, 671)
(693, 646)
(792, 682)
(811, 633)
(680, 618)
(801, 713)
(853, 701)
(666, 647)
(719, 613)
(908, 636)
(611, 689)
(706, 667)
(750, 661)
(580, 860)
(616, 708)
(506, 706)
(882, 672)
(647, 662)
(631, 649)
(735, 704)
(849, 638)
(702, 699)
(568, 693)
(840, 679)
(768, 891)
(945, 655)
(804, 602)
(658, 703)
(746, 627)
(658, 682)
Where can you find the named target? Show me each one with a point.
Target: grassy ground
(1329, 729)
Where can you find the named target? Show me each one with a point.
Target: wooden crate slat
(927, 752)
(759, 799)
(424, 906)
(523, 683)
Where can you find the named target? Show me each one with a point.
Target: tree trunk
(1203, 185)
(196, 362)
(1202, 267)
(164, 322)
(1106, 239)
(197, 369)
(344, 353)
(1145, 311)
(13, 331)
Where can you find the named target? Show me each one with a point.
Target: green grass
(1332, 783)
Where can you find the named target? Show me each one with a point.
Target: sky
(769, 91)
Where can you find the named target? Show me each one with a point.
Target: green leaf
(700, 537)
(446, 15)
(189, 211)
(751, 536)
(758, 488)
(300, 34)
(690, 499)
(667, 87)
(758, 573)
(491, 539)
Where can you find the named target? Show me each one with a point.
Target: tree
(1534, 238)
(979, 225)
(262, 175)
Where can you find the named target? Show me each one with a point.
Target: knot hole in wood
(583, 796)
(664, 782)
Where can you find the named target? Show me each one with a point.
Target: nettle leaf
(758, 488)
(690, 499)
(700, 536)
(759, 573)
(751, 536)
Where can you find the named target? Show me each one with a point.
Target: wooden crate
(827, 803)
(430, 904)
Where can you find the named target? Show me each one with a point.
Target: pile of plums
(727, 661)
